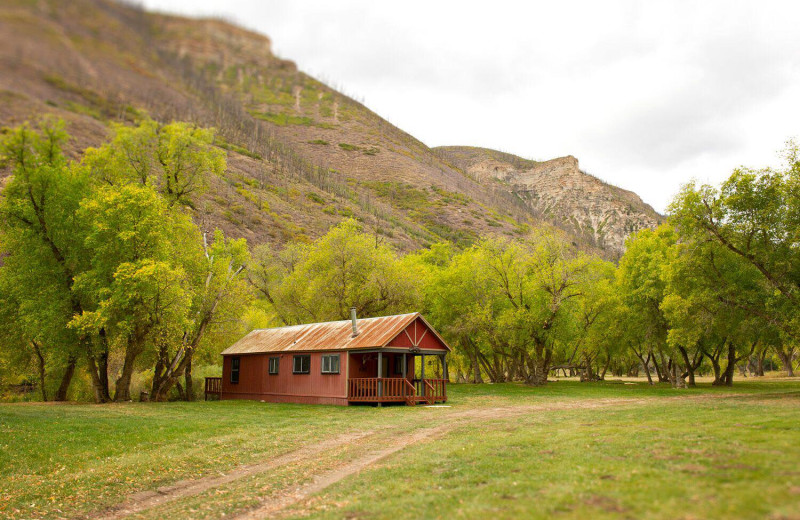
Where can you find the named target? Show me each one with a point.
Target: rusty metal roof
(332, 335)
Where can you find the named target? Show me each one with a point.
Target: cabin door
(385, 366)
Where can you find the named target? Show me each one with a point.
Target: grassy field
(609, 450)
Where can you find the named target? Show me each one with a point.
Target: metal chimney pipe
(353, 319)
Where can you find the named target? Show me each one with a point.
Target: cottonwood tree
(219, 294)
(114, 268)
(42, 253)
(344, 269)
(510, 305)
(133, 286)
(755, 216)
(177, 159)
(641, 283)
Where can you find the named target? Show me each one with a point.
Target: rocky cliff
(559, 192)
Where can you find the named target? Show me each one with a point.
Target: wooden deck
(396, 390)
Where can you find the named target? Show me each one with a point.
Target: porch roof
(334, 335)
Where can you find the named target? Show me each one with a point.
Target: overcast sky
(647, 95)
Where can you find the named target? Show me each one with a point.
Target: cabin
(371, 360)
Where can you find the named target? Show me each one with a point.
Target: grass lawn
(609, 450)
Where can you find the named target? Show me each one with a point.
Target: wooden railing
(388, 389)
(378, 389)
(431, 390)
(213, 387)
(411, 398)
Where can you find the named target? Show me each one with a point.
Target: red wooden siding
(418, 334)
(255, 382)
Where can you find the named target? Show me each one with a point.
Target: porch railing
(396, 389)
(213, 387)
(431, 390)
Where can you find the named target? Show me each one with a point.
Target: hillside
(559, 192)
(301, 156)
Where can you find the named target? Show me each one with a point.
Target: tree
(177, 159)
(641, 282)
(42, 253)
(343, 269)
(509, 306)
(102, 262)
(133, 287)
(754, 215)
(219, 294)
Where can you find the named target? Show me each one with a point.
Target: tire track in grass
(145, 500)
(276, 504)
(394, 439)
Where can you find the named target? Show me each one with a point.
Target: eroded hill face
(301, 156)
(558, 191)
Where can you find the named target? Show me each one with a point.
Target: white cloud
(648, 95)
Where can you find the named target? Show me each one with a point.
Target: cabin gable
(418, 334)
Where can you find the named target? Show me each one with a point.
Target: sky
(647, 95)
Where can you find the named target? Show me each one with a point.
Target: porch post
(380, 370)
(405, 365)
(423, 368)
(445, 375)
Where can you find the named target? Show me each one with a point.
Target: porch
(395, 376)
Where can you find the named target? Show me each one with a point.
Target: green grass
(707, 453)
(726, 460)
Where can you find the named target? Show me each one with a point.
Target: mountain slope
(301, 156)
(558, 191)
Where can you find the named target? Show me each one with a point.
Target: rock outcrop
(559, 192)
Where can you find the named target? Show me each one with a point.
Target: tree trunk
(786, 361)
(663, 373)
(66, 379)
(760, 363)
(690, 367)
(476, 370)
(122, 389)
(645, 363)
(41, 368)
(187, 377)
(98, 367)
(605, 369)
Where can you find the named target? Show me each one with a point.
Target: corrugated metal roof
(332, 335)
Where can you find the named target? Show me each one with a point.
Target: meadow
(617, 449)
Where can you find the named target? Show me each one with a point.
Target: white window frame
(328, 364)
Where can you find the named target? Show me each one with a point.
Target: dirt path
(274, 505)
(185, 488)
(393, 439)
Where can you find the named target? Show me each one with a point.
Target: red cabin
(371, 360)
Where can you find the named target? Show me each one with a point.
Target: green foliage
(313, 197)
(283, 119)
(343, 269)
(177, 159)
(102, 263)
(754, 215)
(400, 194)
(349, 147)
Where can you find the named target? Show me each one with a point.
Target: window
(234, 370)
(274, 363)
(398, 364)
(302, 365)
(330, 364)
